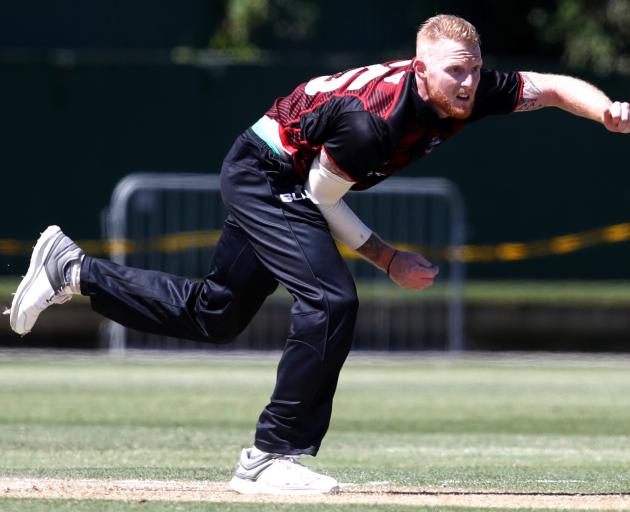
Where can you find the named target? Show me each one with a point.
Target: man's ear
(420, 67)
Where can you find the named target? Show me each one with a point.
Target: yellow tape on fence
(512, 251)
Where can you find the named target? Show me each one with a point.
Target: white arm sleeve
(326, 190)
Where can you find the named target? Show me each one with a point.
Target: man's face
(450, 73)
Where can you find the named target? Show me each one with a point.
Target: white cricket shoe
(270, 473)
(44, 283)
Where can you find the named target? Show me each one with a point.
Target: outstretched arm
(575, 96)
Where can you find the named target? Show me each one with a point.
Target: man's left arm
(575, 96)
(326, 186)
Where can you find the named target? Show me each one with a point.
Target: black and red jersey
(372, 121)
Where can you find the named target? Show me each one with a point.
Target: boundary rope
(510, 251)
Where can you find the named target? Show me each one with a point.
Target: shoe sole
(35, 268)
(252, 487)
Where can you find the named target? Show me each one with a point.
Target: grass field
(596, 293)
(524, 425)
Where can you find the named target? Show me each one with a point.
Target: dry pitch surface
(373, 494)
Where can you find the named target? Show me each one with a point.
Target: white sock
(255, 452)
(73, 275)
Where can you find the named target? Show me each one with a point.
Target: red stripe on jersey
(378, 87)
(373, 120)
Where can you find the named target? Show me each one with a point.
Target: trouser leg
(293, 241)
(215, 309)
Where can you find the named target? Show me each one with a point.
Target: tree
(291, 20)
(594, 34)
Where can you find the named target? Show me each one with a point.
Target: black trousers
(273, 234)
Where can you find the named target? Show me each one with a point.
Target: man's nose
(469, 81)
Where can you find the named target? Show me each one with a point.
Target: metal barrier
(409, 212)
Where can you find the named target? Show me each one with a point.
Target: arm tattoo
(530, 99)
(375, 251)
(372, 248)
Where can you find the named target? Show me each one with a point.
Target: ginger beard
(456, 108)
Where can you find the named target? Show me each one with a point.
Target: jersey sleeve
(358, 143)
(498, 93)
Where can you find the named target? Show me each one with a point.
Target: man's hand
(410, 270)
(617, 117)
(406, 269)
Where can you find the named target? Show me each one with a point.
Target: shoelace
(294, 464)
(62, 295)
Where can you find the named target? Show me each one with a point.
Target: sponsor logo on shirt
(290, 197)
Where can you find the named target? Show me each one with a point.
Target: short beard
(439, 99)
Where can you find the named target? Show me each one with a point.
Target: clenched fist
(617, 117)
(410, 270)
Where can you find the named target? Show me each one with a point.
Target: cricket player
(283, 183)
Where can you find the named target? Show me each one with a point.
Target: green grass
(558, 293)
(549, 292)
(8, 285)
(474, 424)
(475, 292)
(39, 505)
